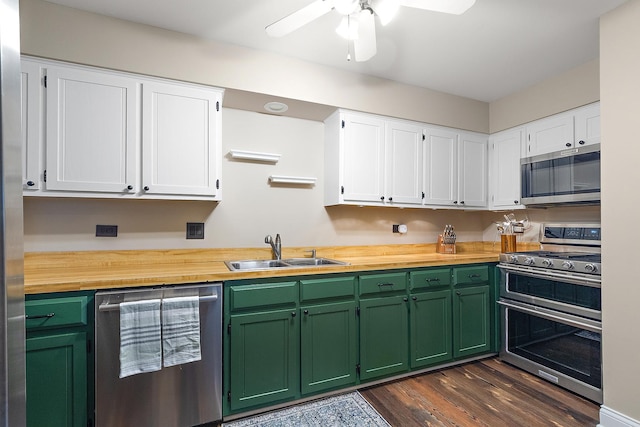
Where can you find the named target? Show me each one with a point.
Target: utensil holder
(445, 248)
(507, 243)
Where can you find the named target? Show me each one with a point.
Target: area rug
(347, 410)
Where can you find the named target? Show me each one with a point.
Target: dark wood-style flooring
(483, 393)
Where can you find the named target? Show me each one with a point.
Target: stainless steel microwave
(569, 176)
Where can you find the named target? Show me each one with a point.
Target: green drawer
(471, 275)
(250, 296)
(430, 278)
(379, 283)
(56, 312)
(338, 287)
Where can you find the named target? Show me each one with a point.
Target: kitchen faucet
(275, 248)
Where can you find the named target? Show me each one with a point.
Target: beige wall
(57, 32)
(620, 103)
(574, 88)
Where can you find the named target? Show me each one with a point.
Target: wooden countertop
(72, 271)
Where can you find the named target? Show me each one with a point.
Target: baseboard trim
(611, 418)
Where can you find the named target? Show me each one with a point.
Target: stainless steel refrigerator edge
(12, 336)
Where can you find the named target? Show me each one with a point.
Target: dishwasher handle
(116, 307)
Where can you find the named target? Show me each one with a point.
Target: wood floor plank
(483, 393)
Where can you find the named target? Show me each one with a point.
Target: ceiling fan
(358, 22)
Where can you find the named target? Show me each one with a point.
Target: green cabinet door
(57, 380)
(264, 358)
(384, 336)
(471, 321)
(430, 322)
(328, 346)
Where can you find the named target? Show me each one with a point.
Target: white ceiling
(494, 49)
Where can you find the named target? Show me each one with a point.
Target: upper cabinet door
(587, 122)
(440, 160)
(31, 124)
(404, 163)
(505, 169)
(180, 127)
(472, 167)
(550, 134)
(363, 158)
(91, 131)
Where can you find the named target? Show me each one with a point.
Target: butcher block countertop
(73, 271)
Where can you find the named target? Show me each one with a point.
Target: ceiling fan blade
(365, 46)
(299, 18)
(454, 7)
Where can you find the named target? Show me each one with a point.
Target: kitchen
(47, 221)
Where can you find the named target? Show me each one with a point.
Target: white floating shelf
(292, 180)
(255, 156)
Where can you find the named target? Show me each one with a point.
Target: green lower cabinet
(328, 346)
(264, 358)
(384, 336)
(56, 380)
(471, 321)
(430, 323)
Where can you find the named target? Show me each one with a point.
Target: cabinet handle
(581, 142)
(40, 316)
(515, 202)
(462, 202)
(435, 279)
(382, 198)
(391, 199)
(384, 284)
(129, 187)
(568, 144)
(455, 202)
(293, 314)
(31, 183)
(405, 299)
(306, 312)
(414, 298)
(146, 188)
(458, 293)
(474, 276)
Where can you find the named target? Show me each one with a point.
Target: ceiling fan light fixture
(385, 9)
(348, 28)
(346, 7)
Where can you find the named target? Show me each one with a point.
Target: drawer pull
(40, 316)
(474, 276)
(384, 284)
(435, 279)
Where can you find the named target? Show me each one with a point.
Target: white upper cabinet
(31, 125)
(118, 135)
(472, 170)
(504, 169)
(440, 157)
(403, 177)
(570, 129)
(91, 131)
(180, 138)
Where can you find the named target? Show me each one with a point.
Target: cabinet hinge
(358, 369)
(423, 195)
(229, 395)
(217, 184)
(342, 189)
(45, 176)
(89, 345)
(357, 311)
(217, 105)
(424, 137)
(229, 328)
(343, 124)
(45, 81)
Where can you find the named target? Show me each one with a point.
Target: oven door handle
(582, 280)
(552, 315)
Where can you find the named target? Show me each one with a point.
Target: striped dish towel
(181, 330)
(140, 337)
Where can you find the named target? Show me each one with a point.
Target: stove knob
(528, 260)
(568, 265)
(591, 268)
(513, 258)
(547, 263)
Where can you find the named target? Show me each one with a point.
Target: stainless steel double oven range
(551, 308)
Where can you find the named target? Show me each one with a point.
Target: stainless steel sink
(257, 264)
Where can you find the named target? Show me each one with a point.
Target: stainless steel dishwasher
(178, 396)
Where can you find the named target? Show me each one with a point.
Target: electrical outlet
(106, 230)
(195, 230)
